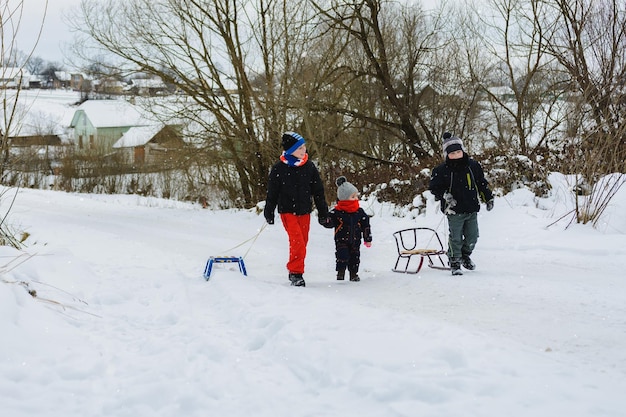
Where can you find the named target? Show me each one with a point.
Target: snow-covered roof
(148, 83)
(12, 76)
(138, 136)
(13, 72)
(112, 113)
(62, 75)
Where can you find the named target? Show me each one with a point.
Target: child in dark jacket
(460, 184)
(350, 223)
(294, 184)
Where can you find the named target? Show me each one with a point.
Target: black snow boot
(455, 266)
(354, 276)
(296, 280)
(341, 275)
(467, 263)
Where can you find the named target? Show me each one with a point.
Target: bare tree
(228, 58)
(12, 72)
(35, 65)
(386, 56)
(588, 38)
(508, 61)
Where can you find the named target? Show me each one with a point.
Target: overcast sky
(56, 33)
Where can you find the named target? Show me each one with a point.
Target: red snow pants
(297, 228)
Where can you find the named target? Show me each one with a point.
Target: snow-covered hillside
(125, 325)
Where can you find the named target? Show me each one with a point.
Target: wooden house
(61, 79)
(98, 124)
(79, 82)
(153, 144)
(36, 140)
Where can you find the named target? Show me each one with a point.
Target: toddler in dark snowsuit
(350, 223)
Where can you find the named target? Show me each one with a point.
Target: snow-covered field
(43, 111)
(125, 325)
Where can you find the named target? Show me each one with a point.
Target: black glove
(489, 205)
(324, 221)
(269, 220)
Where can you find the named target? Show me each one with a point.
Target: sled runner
(223, 259)
(422, 242)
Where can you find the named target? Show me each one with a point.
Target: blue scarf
(292, 161)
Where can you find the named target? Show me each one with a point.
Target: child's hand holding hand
(325, 221)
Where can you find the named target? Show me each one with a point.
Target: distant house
(147, 86)
(150, 144)
(433, 92)
(35, 81)
(32, 128)
(61, 79)
(36, 140)
(428, 93)
(98, 124)
(502, 92)
(79, 82)
(108, 86)
(13, 77)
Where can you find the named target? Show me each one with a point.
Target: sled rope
(253, 239)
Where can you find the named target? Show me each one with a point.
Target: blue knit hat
(291, 141)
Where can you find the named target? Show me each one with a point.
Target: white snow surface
(41, 111)
(124, 324)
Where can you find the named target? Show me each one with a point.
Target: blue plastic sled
(223, 259)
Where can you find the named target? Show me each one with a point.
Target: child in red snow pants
(297, 228)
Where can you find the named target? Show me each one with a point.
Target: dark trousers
(347, 255)
(463, 228)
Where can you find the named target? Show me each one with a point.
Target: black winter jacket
(465, 180)
(293, 189)
(349, 227)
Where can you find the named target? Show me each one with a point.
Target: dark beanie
(451, 144)
(291, 141)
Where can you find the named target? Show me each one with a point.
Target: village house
(98, 124)
(108, 86)
(61, 79)
(79, 82)
(146, 145)
(13, 77)
(117, 126)
(147, 86)
(36, 139)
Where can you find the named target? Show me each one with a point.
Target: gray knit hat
(451, 144)
(344, 188)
